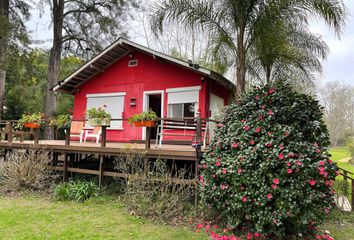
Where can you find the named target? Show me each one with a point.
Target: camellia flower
(288, 163)
(290, 171)
(257, 97)
(330, 160)
(252, 142)
(244, 199)
(224, 171)
(312, 182)
(218, 164)
(276, 181)
(270, 112)
(281, 156)
(205, 166)
(260, 117)
(286, 134)
(322, 163)
(258, 129)
(274, 186)
(268, 144)
(223, 186)
(271, 91)
(246, 128)
(239, 171)
(269, 196)
(235, 145)
(263, 107)
(298, 163)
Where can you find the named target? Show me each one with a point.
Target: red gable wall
(150, 74)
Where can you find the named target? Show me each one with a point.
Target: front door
(153, 101)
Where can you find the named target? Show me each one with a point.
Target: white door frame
(146, 105)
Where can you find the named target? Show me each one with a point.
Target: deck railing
(198, 125)
(346, 177)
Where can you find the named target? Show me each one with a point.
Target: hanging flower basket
(31, 125)
(99, 121)
(144, 123)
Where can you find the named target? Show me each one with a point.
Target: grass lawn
(343, 229)
(37, 218)
(339, 153)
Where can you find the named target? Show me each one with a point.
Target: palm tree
(235, 24)
(286, 51)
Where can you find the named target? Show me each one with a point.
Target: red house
(129, 78)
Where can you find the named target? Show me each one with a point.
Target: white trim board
(184, 89)
(116, 94)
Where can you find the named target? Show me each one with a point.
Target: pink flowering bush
(267, 171)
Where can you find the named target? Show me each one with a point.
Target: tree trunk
(240, 65)
(4, 34)
(54, 63)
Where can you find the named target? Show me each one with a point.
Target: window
(114, 103)
(182, 102)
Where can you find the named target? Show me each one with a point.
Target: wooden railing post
(352, 195)
(104, 136)
(10, 132)
(67, 136)
(148, 137)
(36, 136)
(65, 168)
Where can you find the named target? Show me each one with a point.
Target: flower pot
(31, 125)
(99, 121)
(145, 123)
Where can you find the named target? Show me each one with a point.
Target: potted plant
(144, 119)
(60, 121)
(31, 121)
(98, 116)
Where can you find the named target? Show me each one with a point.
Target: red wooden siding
(150, 75)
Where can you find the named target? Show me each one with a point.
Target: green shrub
(76, 191)
(267, 171)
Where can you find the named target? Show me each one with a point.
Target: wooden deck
(178, 152)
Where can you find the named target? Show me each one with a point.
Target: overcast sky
(338, 66)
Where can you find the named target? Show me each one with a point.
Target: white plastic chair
(96, 133)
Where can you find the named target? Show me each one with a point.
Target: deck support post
(65, 168)
(148, 138)
(101, 169)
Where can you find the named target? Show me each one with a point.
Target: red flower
(322, 163)
(274, 186)
(244, 199)
(260, 117)
(281, 156)
(270, 112)
(269, 196)
(211, 154)
(271, 91)
(291, 155)
(235, 145)
(288, 163)
(263, 107)
(223, 186)
(258, 129)
(224, 171)
(252, 142)
(218, 164)
(257, 97)
(290, 171)
(201, 180)
(205, 166)
(286, 134)
(312, 182)
(298, 163)
(246, 128)
(269, 144)
(239, 171)
(318, 150)
(243, 121)
(276, 181)
(330, 160)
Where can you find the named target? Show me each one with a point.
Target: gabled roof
(118, 50)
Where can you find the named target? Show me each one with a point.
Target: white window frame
(184, 89)
(103, 95)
